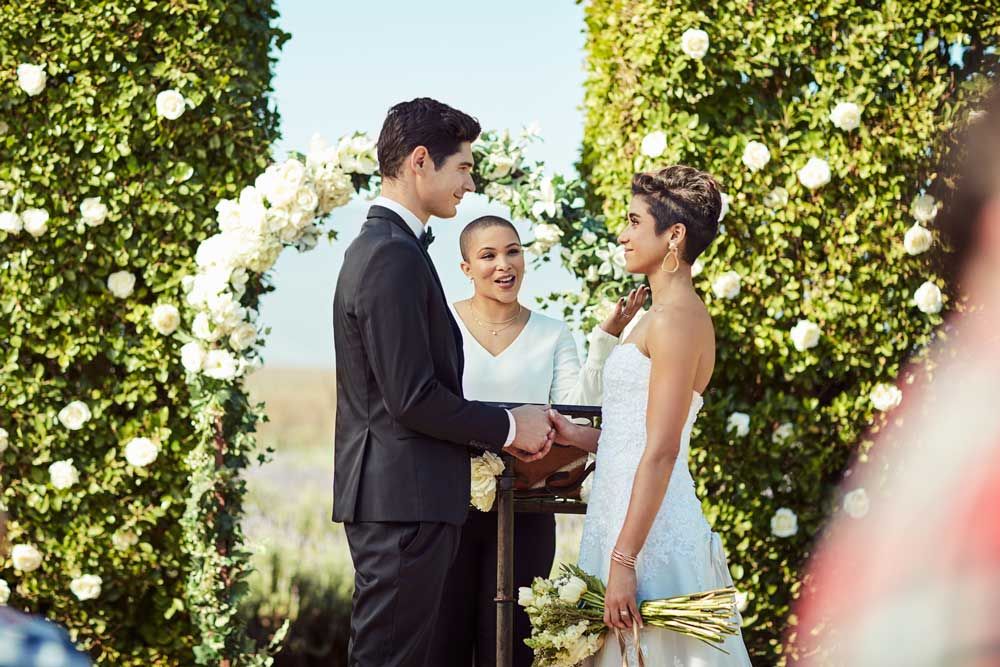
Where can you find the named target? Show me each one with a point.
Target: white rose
(121, 284)
(885, 396)
(10, 222)
(220, 365)
(928, 298)
(4, 439)
(783, 433)
(697, 268)
(856, 503)
(727, 286)
(924, 208)
(572, 590)
(5, 592)
(170, 104)
(26, 557)
(36, 221)
(815, 174)
(525, 596)
(499, 166)
(805, 335)
(547, 235)
(202, 328)
(653, 144)
(192, 357)
(140, 452)
(31, 78)
(588, 237)
(724, 210)
(484, 470)
(63, 474)
(756, 156)
(784, 523)
(776, 198)
(917, 239)
(739, 422)
(243, 336)
(124, 539)
(306, 199)
(694, 43)
(93, 211)
(846, 116)
(86, 587)
(165, 318)
(74, 415)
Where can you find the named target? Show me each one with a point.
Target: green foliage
(834, 255)
(94, 132)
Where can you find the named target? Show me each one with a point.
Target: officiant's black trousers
(465, 635)
(399, 576)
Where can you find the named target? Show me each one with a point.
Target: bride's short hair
(685, 195)
(482, 222)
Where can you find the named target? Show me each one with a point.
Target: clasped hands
(537, 427)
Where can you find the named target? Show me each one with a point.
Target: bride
(655, 542)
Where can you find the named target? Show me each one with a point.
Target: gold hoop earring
(677, 260)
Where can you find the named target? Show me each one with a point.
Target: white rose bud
(739, 422)
(192, 357)
(917, 239)
(525, 596)
(165, 318)
(220, 365)
(4, 439)
(93, 211)
(170, 104)
(243, 336)
(725, 208)
(784, 523)
(727, 286)
(74, 415)
(928, 298)
(124, 539)
(756, 156)
(694, 43)
(572, 590)
(63, 474)
(5, 592)
(776, 198)
(140, 452)
(26, 557)
(846, 116)
(36, 221)
(856, 503)
(86, 587)
(121, 284)
(885, 397)
(783, 433)
(653, 144)
(924, 208)
(805, 335)
(546, 234)
(815, 174)
(10, 222)
(31, 78)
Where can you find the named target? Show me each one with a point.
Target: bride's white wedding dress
(681, 554)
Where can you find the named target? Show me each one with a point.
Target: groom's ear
(420, 159)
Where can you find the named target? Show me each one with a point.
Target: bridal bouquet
(567, 616)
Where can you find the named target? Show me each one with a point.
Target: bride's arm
(574, 435)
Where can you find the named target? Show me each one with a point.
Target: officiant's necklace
(491, 326)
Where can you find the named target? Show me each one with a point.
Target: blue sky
(346, 63)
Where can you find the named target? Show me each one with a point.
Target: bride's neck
(664, 285)
(493, 310)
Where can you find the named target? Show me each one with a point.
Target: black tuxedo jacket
(404, 431)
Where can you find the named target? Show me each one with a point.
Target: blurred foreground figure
(917, 581)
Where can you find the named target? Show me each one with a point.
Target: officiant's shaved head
(439, 128)
(479, 224)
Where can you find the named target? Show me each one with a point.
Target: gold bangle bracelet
(623, 559)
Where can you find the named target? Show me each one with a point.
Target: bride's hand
(620, 597)
(625, 310)
(565, 430)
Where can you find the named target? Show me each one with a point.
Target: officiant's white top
(540, 366)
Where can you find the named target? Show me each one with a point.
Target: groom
(404, 433)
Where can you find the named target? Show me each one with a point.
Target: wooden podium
(508, 503)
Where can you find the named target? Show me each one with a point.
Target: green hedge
(834, 255)
(94, 131)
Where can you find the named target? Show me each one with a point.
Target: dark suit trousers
(400, 570)
(465, 635)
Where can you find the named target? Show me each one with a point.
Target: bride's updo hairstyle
(684, 195)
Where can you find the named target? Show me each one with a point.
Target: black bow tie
(426, 237)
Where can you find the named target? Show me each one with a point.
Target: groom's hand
(533, 433)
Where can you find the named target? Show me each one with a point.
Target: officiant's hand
(625, 310)
(533, 433)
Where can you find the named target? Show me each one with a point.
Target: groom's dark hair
(685, 195)
(434, 125)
